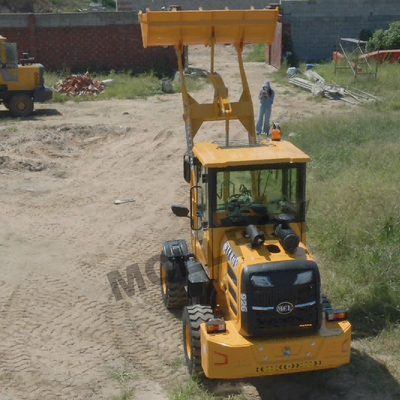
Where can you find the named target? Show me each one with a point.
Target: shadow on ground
(5, 114)
(363, 378)
(369, 318)
(46, 111)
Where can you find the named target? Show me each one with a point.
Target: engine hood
(238, 248)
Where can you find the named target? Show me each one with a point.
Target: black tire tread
(197, 315)
(175, 296)
(13, 105)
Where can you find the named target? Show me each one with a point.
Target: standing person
(266, 97)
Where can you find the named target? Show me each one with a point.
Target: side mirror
(180, 211)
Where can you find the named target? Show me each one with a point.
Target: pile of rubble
(79, 85)
(318, 87)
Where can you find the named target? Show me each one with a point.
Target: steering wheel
(239, 200)
(222, 184)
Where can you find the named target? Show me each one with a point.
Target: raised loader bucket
(239, 27)
(177, 28)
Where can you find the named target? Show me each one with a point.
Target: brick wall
(273, 53)
(112, 40)
(80, 41)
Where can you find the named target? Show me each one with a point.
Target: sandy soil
(63, 334)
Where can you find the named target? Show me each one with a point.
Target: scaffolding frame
(355, 58)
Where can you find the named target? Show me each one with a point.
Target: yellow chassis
(230, 355)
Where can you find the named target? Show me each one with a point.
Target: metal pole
(226, 132)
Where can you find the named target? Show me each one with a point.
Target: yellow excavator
(21, 82)
(249, 288)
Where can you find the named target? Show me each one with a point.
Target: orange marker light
(276, 134)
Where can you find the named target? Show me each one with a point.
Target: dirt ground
(63, 333)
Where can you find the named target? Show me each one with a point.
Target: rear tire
(21, 105)
(173, 293)
(192, 317)
(6, 104)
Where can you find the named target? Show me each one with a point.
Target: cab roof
(212, 155)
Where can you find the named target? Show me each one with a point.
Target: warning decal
(227, 249)
(287, 367)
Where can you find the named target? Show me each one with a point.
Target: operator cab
(248, 185)
(257, 195)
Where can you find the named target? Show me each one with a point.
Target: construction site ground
(63, 333)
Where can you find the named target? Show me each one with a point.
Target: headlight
(261, 281)
(303, 277)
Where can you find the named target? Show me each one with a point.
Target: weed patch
(256, 53)
(192, 388)
(123, 86)
(354, 215)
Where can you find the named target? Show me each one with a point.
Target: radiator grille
(302, 300)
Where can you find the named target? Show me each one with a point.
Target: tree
(393, 36)
(386, 40)
(109, 4)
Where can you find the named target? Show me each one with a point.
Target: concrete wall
(155, 5)
(109, 40)
(316, 24)
(98, 40)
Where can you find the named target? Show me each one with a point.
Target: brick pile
(79, 85)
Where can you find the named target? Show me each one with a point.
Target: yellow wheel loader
(21, 83)
(249, 288)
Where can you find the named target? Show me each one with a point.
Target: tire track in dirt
(49, 308)
(145, 332)
(26, 343)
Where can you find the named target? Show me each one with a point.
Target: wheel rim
(188, 342)
(163, 280)
(21, 106)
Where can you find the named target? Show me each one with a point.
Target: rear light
(215, 326)
(335, 315)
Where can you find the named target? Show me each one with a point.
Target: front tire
(192, 317)
(21, 105)
(173, 293)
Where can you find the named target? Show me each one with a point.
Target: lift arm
(208, 28)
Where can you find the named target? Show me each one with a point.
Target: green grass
(124, 395)
(354, 216)
(353, 219)
(257, 53)
(121, 374)
(192, 388)
(124, 86)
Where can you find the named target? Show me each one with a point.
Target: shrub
(386, 40)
